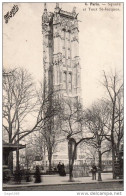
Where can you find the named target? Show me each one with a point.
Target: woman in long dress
(37, 175)
(63, 173)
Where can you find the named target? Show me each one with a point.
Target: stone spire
(57, 5)
(45, 9)
(57, 8)
(45, 17)
(74, 10)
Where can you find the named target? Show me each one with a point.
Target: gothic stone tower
(61, 51)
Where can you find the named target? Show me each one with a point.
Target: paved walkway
(58, 180)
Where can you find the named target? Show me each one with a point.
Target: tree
(72, 125)
(29, 155)
(90, 151)
(49, 127)
(96, 119)
(119, 123)
(18, 95)
(114, 87)
(19, 100)
(37, 144)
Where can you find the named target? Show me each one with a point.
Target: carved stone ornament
(75, 23)
(56, 19)
(75, 38)
(64, 23)
(45, 17)
(45, 44)
(56, 34)
(44, 58)
(50, 45)
(46, 27)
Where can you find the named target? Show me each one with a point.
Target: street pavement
(56, 182)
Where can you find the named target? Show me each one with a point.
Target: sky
(100, 42)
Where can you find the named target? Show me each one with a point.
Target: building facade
(61, 51)
(61, 57)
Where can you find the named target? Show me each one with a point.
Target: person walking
(59, 168)
(37, 175)
(94, 170)
(63, 173)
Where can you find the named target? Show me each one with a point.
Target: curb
(67, 183)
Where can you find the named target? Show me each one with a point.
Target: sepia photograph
(63, 97)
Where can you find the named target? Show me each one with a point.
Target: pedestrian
(63, 173)
(37, 175)
(94, 170)
(59, 168)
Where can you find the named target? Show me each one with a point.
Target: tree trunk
(100, 159)
(112, 138)
(10, 157)
(117, 147)
(50, 158)
(71, 162)
(100, 165)
(113, 160)
(113, 153)
(70, 172)
(50, 164)
(17, 159)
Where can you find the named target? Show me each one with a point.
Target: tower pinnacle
(74, 10)
(45, 9)
(57, 5)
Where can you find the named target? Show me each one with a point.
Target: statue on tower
(45, 17)
(45, 9)
(74, 10)
(57, 9)
(57, 5)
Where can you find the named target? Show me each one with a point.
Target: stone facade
(61, 57)
(61, 51)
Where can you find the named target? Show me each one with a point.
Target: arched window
(64, 80)
(60, 76)
(70, 82)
